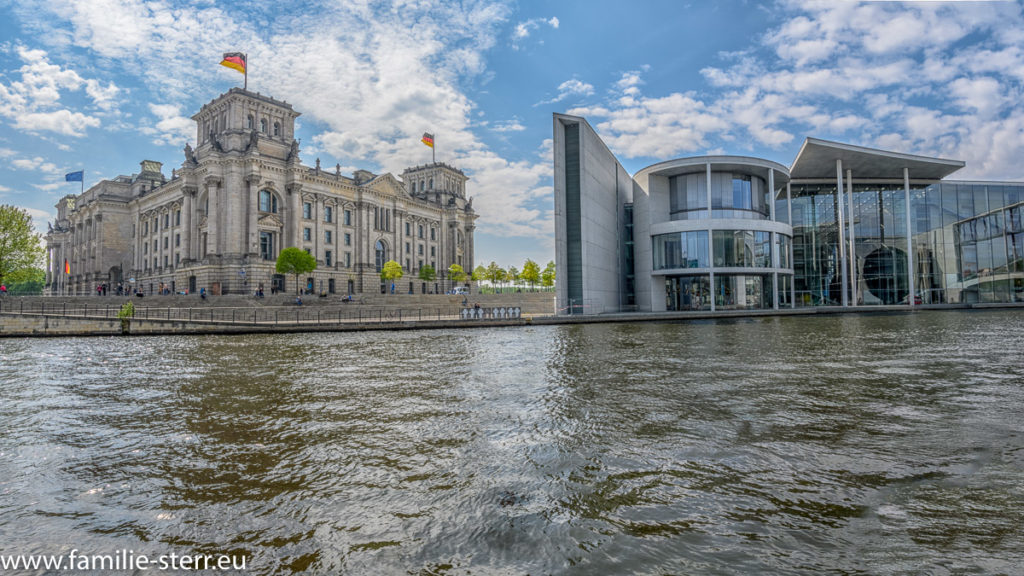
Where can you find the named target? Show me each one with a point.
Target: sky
(100, 85)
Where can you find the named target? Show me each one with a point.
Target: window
(177, 218)
(177, 259)
(167, 220)
(277, 128)
(177, 240)
(268, 202)
(307, 210)
(348, 217)
(145, 248)
(432, 252)
(407, 249)
(166, 242)
(327, 258)
(249, 122)
(420, 248)
(263, 125)
(307, 234)
(433, 233)
(381, 253)
(419, 228)
(407, 232)
(165, 261)
(348, 239)
(266, 246)
(156, 245)
(328, 214)
(145, 228)
(348, 259)
(327, 236)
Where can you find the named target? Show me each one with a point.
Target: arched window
(381, 254)
(277, 128)
(431, 183)
(263, 125)
(249, 122)
(268, 202)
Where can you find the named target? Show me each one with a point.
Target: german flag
(428, 139)
(234, 60)
(67, 267)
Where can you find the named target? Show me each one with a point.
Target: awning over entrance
(817, 159)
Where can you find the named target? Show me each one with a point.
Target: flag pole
(433, 152)
(246, 85)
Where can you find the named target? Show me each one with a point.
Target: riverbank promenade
(98, 316)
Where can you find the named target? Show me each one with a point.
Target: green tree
(390, 273)
(531, 272)
(26, 282)
(427, 273)
(494, 273)
(547, 277)
(456, 274)
(295, 261)
(21, 248)
(479, 273)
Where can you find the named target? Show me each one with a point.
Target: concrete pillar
(771, 193)
(852, 240)
(839, 225)
(910, 239)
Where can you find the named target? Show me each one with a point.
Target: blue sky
(100, 85)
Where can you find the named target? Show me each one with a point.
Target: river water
(800, 445)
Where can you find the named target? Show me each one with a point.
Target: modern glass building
(843, 226)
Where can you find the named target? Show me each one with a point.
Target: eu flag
(75, 176)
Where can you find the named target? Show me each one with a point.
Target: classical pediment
(270, 221)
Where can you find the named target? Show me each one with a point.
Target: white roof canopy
(817, 159)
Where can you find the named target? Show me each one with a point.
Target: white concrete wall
(604, 187)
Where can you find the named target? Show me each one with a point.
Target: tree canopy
(391, 271)
(479, 273)
(427, 273)
(456, 274)
(295, 261)
(20, 247)
(547, 278)
(494, 273)
(531, 272)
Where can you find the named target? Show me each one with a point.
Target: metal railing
(266, 315)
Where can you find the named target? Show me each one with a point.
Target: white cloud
(513, 125)
(171, 128)
(568, 89)
(524, 29)
(33, 103)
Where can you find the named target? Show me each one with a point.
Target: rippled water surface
(841, 445)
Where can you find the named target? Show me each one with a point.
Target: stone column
(213, 215)
(851, 239)
(252, 215)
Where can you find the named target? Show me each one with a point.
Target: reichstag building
(843, 225)
(221, 219)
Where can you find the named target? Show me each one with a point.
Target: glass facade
(965, 237)
(681, 250)
(742, 249)
(732, 196)
(743, 291)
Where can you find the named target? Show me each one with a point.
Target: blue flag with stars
(75, 176)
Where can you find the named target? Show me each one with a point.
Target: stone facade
(240, 197)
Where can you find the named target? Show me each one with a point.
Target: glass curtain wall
(966, 240)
